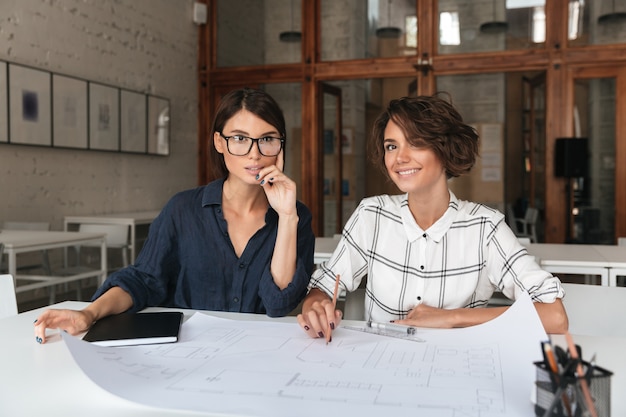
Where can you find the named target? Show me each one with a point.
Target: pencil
(554, 367)
(335, 294)
(581, 375)
(549, 354)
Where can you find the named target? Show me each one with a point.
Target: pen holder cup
(568, 388)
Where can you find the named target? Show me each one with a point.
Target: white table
(608, 261)
(615, 257)
(324, 248)
(45, 380)
(131, 219)
(23, 241)
(571, 259)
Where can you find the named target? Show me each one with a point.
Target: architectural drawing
(272, 369)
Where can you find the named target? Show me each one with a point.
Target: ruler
(398, 334)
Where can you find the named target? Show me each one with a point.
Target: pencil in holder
(560, 395)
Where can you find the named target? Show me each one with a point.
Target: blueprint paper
(260, 368)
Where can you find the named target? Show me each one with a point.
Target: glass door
(594, 158)
(330, 128)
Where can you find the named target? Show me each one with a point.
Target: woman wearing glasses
(242, 243)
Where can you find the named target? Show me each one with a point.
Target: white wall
(148, 46)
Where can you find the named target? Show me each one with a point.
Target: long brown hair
(257, 102)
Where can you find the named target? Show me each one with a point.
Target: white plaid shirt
(458, 262)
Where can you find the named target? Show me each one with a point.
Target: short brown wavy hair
(429, 122)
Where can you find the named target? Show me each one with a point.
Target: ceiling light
(388, 32)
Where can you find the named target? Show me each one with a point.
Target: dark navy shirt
(188, 260)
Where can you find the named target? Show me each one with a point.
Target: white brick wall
(148, 46)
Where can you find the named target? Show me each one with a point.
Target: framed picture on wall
(158, 126)
(104, 123)
(4, 104)
(29, 104)
(133, 122)
(69, 112)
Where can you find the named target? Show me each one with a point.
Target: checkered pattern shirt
(460, 261)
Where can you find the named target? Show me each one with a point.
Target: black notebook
(136, 329)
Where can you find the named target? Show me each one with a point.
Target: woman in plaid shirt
(430, 259)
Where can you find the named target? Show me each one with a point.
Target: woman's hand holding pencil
(319, 315)
(331, 324)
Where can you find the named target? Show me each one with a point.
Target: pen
(335, 294)
(392, 327)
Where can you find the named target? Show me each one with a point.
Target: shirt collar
(437, 231)
(212, 196)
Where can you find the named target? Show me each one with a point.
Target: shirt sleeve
(279, 302)
(349, 259)
(147, 279)
(513, 271)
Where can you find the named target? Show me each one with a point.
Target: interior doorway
(597, 184)
(331, 131)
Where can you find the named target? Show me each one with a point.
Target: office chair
(116, 238)
(512, 220)
(529, 224)
(8, 300)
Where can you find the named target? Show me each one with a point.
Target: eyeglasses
(239, 145)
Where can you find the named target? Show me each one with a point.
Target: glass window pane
(593, 192)
(449, 31)
(507, 110)
(490, 25)
(480, 99)
(596, 22)
(362, 100)
(358, 29)
(267, 33)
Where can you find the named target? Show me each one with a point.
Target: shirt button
(424, 235)
(419, 298)
(242, 266)
(236, 300)
(422, 267)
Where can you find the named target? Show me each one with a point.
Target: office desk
(45, 380)
(132, 220)
(22, 241)
(608, 261)
(570, 259)
(615, 257)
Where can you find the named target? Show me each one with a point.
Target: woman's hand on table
(71, 321)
